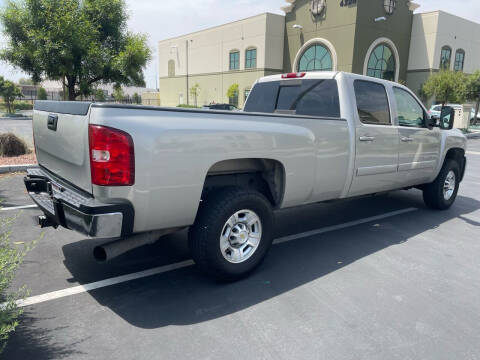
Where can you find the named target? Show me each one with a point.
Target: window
(381, 63)
(316, 58)
(171, 68)
(372, 103)
(445, 57)
(307, 97)
(234, 60)
(459, 60)
(410, 113)
(251, 59)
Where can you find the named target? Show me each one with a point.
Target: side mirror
(447, 118)
(431, 122)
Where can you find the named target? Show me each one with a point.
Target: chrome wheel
(449, 185)
(240, 236)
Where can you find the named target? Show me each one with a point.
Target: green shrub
(23, 105)
(187, 106)
(12, 145)
(42, 94)
(11, 256)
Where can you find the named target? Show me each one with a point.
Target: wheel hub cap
(240, 236)
(449, 185)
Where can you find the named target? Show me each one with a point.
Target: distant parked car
(227, 107)
(436, 109)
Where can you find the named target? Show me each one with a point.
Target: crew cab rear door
(61, 140)
(376, 141)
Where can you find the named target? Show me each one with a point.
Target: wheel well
(457, 155)
(266, 176)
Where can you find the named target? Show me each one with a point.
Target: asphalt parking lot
(383, 278)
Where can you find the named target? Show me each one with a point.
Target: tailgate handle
(52, 122)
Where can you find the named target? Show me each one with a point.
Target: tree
(99, 95)
(118, 94)
(9, 91)
(473, 91)
(447, 87)
(42, 94)
(78, 42)
(195, 92)
(137, 99)
(232, 94)
(23, 81)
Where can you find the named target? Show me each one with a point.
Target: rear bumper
(73, 209)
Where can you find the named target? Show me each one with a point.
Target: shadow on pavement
(187, 297)
(31, 342)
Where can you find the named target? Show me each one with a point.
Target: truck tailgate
(61, 140)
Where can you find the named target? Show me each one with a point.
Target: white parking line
(18, 207)
(166, 268)
(473, 153)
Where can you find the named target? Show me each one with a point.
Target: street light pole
(188, 101)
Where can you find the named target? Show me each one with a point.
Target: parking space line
(18, 207)
(473, 153)
(167, 268)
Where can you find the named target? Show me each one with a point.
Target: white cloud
(162, 19)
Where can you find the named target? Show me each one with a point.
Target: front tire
(232, 233)
(441, 194)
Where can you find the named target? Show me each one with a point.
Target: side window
(410, 113)
(372, 103)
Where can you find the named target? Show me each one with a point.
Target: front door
(376, 141)
(419, 146)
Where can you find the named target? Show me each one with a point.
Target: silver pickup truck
(132, 174)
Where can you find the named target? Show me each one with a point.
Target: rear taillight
(112, 157)
(293, 75)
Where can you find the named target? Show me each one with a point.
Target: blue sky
(161, 19)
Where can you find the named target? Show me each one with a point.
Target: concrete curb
(5, 169)
(475, 135)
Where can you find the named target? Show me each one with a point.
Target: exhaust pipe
(111, 250)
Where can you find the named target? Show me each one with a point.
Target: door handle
(407, 139)
(366, 138)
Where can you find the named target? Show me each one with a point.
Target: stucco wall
(336, 24)
(396, 27)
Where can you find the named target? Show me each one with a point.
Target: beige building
(381, 38)
(442, 40)
(235, 53)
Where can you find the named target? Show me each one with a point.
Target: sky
(162, 19)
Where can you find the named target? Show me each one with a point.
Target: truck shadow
(185, 296)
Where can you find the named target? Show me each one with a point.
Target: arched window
(381, 63)
(445, 57)
(316, 58)
(459, 60)
(171, 68)
(251, 58)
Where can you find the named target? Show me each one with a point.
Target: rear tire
(441, 193)
(232, 233)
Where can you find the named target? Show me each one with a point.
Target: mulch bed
(19, 160)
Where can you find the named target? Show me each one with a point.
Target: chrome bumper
(76, 210)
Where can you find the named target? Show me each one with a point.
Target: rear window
(296, 97)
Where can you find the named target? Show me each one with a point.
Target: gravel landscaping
(19, 160)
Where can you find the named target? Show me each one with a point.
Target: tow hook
(45, 222)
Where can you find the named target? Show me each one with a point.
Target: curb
(475, 135)
(5, 169)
